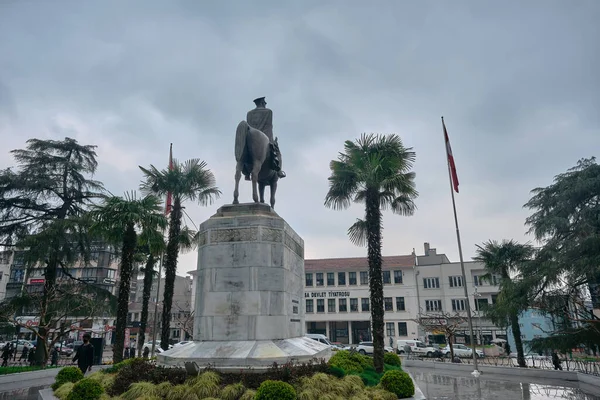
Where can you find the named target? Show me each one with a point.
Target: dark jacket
(84, 356)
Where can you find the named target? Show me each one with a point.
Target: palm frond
(358, 233)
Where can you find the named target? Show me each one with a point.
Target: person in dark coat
(54, 356)
(24, 353)
(85, 355)
(5, 354)
(146, 352)
(556, 361)
(31, 356)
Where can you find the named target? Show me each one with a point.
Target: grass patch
(26, 368)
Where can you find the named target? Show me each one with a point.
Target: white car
(460, 350)
(367, 348)
(183, 343)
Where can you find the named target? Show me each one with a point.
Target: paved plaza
(450, 386)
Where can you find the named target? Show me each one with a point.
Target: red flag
(451, 164)
(169, 194)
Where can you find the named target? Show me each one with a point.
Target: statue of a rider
(261, 118)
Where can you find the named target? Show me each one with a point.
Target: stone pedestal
(249, 294)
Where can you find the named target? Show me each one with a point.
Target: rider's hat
(258, 100)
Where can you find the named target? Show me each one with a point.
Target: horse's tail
(240, 139)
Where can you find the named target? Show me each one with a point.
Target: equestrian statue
(257, 153)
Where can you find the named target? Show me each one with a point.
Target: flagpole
(476, 372)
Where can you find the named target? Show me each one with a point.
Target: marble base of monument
(249, 355)
(249, 294)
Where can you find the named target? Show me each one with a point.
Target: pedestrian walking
(5, 354)
(556, 361)
(54, 356)
(31, 356)
(85, 355)
(24, 353)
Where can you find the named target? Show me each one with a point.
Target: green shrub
(370, 377)
(67, 374)
(248, 395)
(139, 389)
(233, 391)
(182, 392)
(63, 391)
(163, 389)
(105, 380)
(392, 359)
(117, 367)
(335, 371)
(86, 389)
(350, 361)
(399, 383)
(275, 390)
(380, 394)
(135, 370)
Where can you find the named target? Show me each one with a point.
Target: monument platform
(249, 294)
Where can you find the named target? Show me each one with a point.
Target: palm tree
(119, 220)
(152, 244)
(374, 170)
(193, 181)
(507, 260)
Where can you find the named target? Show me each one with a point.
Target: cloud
(517, 83)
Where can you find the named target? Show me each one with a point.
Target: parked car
(418, 348)
(65, 351)
(367, 348)
(77, 344)
(321, 339)
(21, 343)
(182, 343)
(460, 350)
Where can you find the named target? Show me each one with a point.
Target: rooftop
(325, 264)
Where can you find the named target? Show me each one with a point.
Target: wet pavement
(449, 386)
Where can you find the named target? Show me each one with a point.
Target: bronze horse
(255, 160)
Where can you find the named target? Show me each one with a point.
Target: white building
(337, 297)
(5, 261)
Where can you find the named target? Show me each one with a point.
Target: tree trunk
(450, 337)
(373, 222)
(128, 250)
(148, 275)
(170, 271)
(41, 351)
(516, 330)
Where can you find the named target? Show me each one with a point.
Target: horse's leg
(255, 171)
(273, 190)
(238, 175)
(261, 191)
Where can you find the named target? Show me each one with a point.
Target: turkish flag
(451, 164)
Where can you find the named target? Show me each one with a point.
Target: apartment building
(181, 310)
(337, 301)
(102, 270)
(5, 261)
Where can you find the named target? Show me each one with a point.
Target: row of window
(319, 278)
(457, 305)
(390, 329)
(457, 281)
(342, 305)
(329, 278)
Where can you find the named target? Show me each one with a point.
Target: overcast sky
(517, 83)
